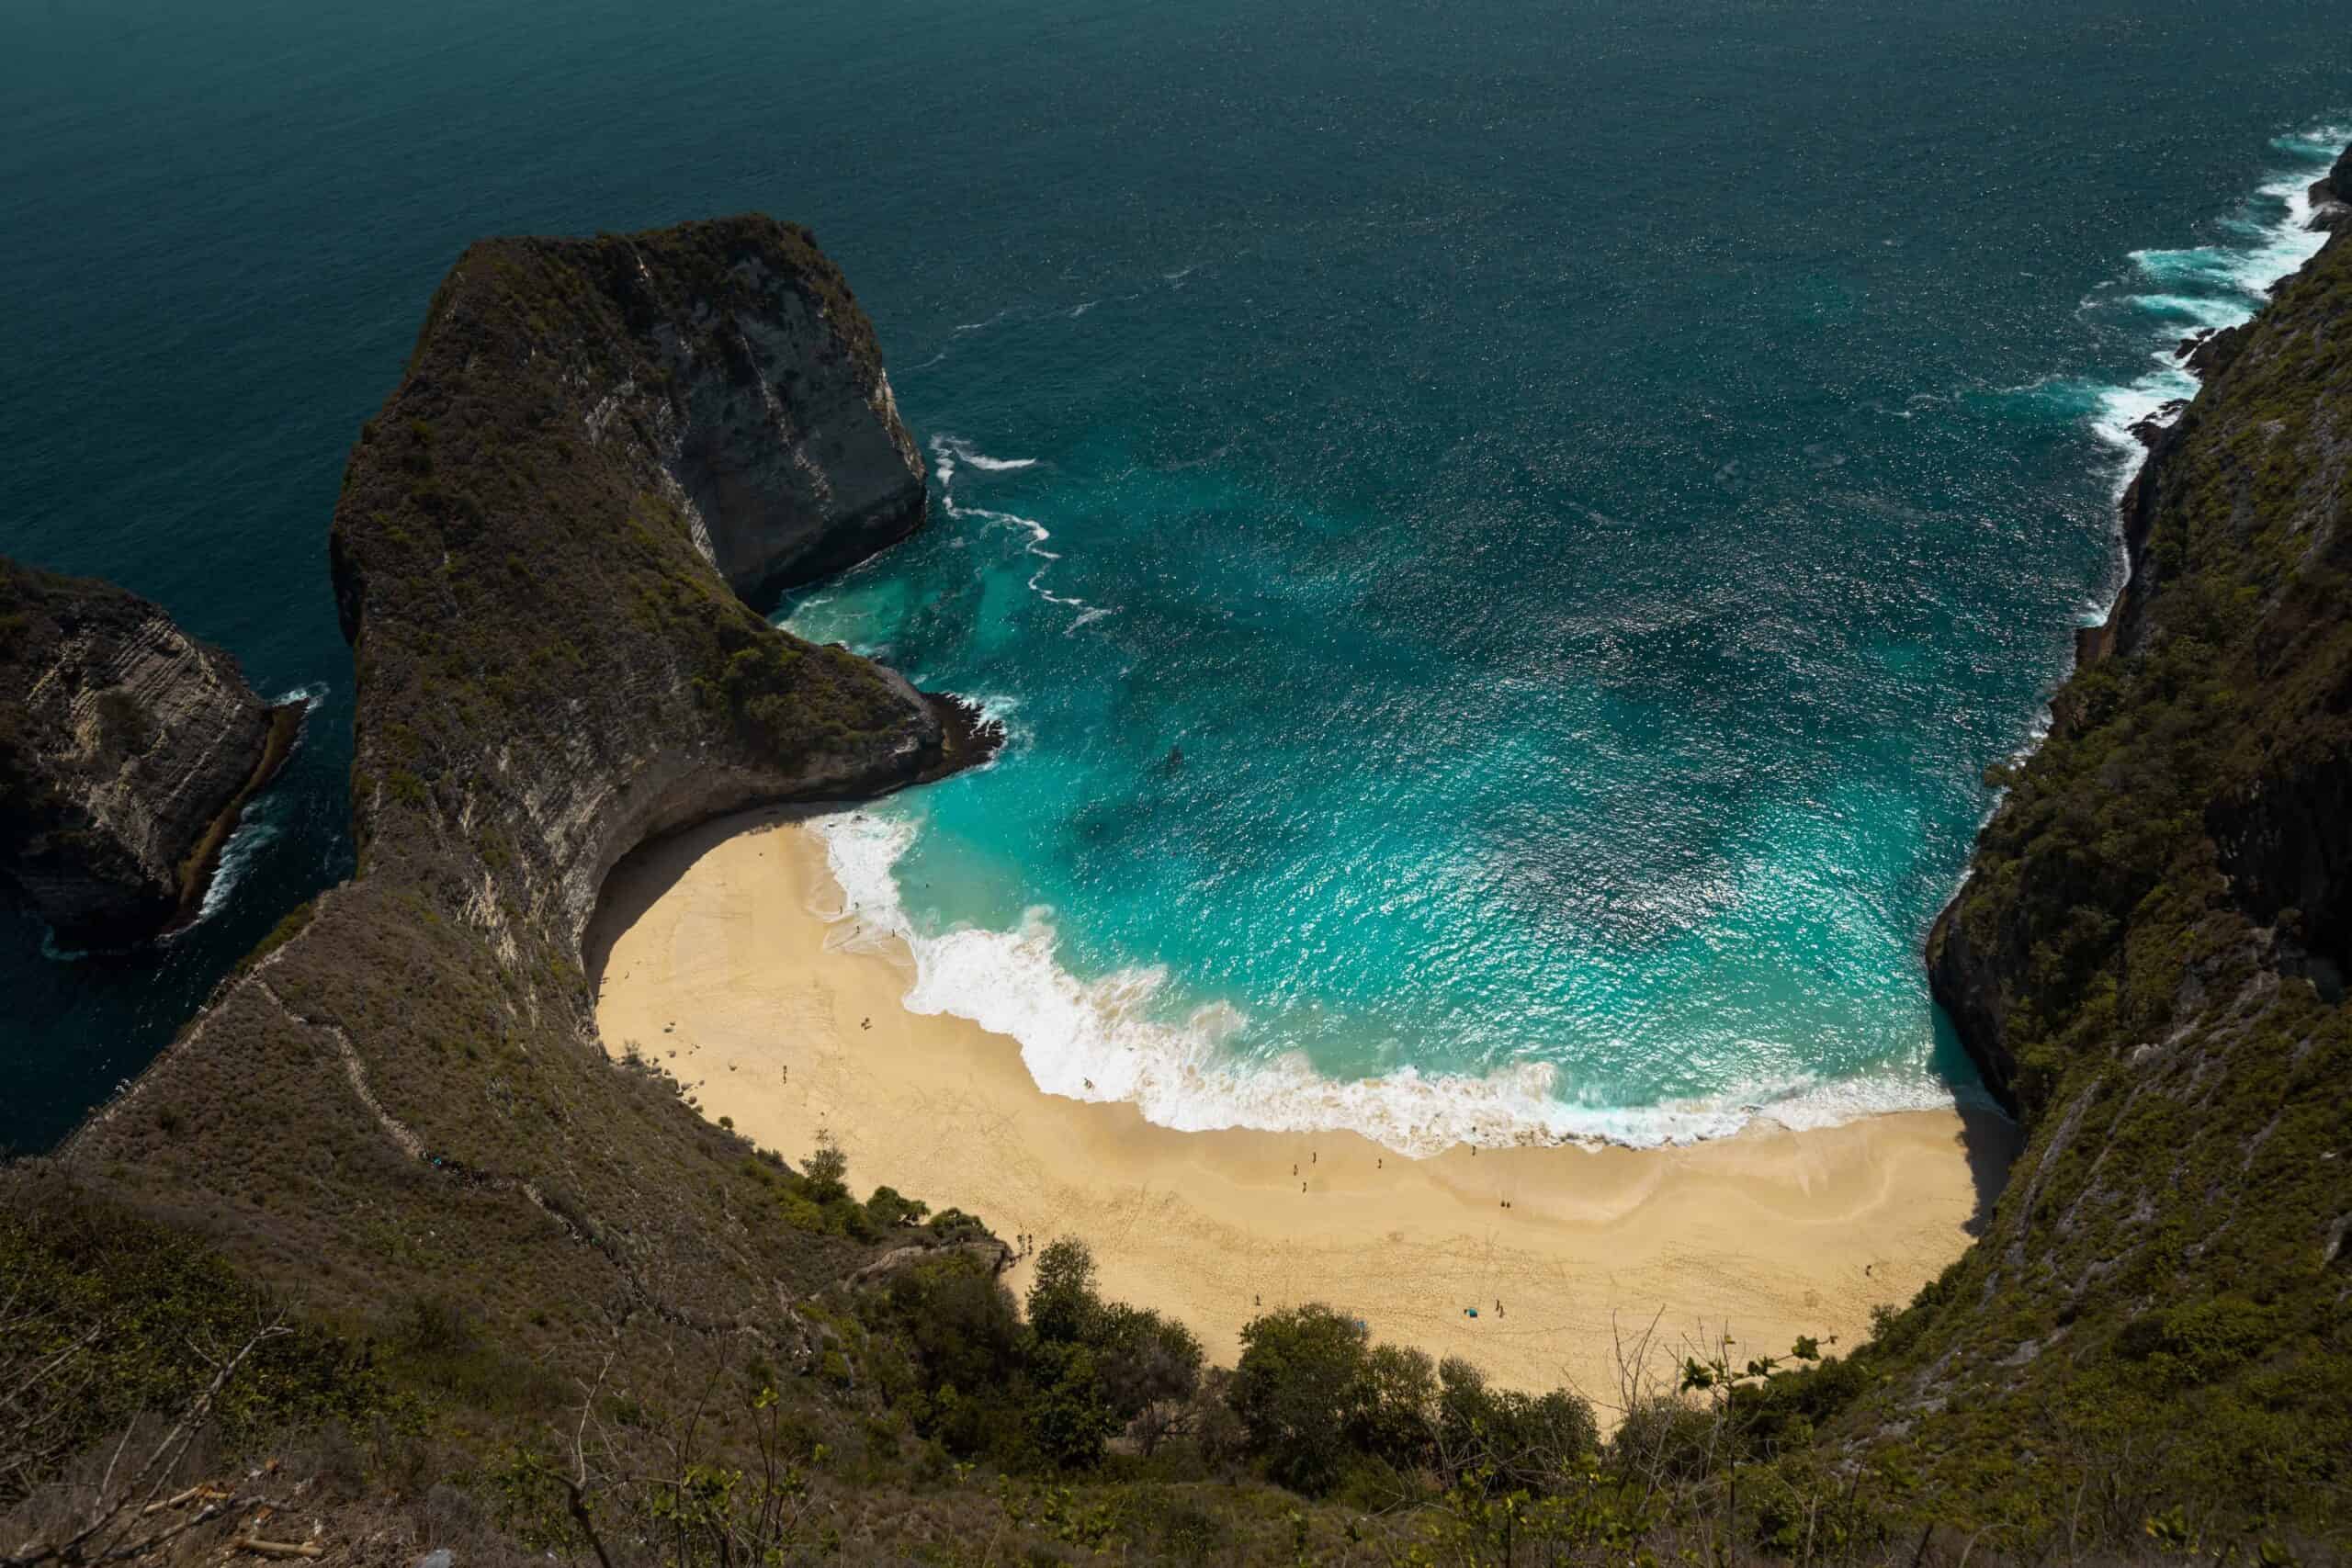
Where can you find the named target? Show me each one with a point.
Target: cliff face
(728, 368)
(127, 748)
(2147, 962)
(536, 555)
(2237, 536)
(545, 539)
(2332, 195)
(781, 431)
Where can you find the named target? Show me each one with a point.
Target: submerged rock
(127, 750)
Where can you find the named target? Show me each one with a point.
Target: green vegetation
(2149, 955)
(104, 1319)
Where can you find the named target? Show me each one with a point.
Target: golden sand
(712, 957)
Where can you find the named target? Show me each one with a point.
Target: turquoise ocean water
(1505, 534)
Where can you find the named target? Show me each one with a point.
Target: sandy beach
(713, 956)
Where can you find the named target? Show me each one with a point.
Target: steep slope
(2147, 962)
(403, 1095)
(127, 750)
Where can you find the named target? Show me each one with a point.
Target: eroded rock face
(745, 370)
(790, 449)
(2332, 195)
(604, 452)
(127, 748)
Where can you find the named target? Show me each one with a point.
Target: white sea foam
(257, 831)
(1103, 1040)
(964, 328)
(954, 451)
(2198, 310)
(949, 453)
(2213, 287)
(254, 834)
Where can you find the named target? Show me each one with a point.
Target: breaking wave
(2207, 287)
(1102, 1040)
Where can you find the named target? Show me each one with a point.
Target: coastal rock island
(127, 749)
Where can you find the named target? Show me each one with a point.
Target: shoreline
(709, 954)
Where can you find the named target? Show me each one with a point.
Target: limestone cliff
(540, 552)
(2146, 962)
(127, 750)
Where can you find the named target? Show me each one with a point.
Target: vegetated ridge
(2147, 962)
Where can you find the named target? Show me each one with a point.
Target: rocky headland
(128, 749)
(2332, 195)
(541, 553)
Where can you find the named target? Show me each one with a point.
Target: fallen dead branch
(200, 1492)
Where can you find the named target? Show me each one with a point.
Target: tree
(826, 1172)
(1145, 1359)
(1067, 1418)
(1064, 1307)
(1510, 1441)
(1298, 1390)
(1393, 1408)
(890, 1211)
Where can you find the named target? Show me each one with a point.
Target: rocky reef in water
(127, 749)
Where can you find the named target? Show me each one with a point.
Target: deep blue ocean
(1506, 534)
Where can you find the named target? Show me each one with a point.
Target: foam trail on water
(1103, 1040)
(952, 451)
(949, 453)
(2202, 310)
(964, 328)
